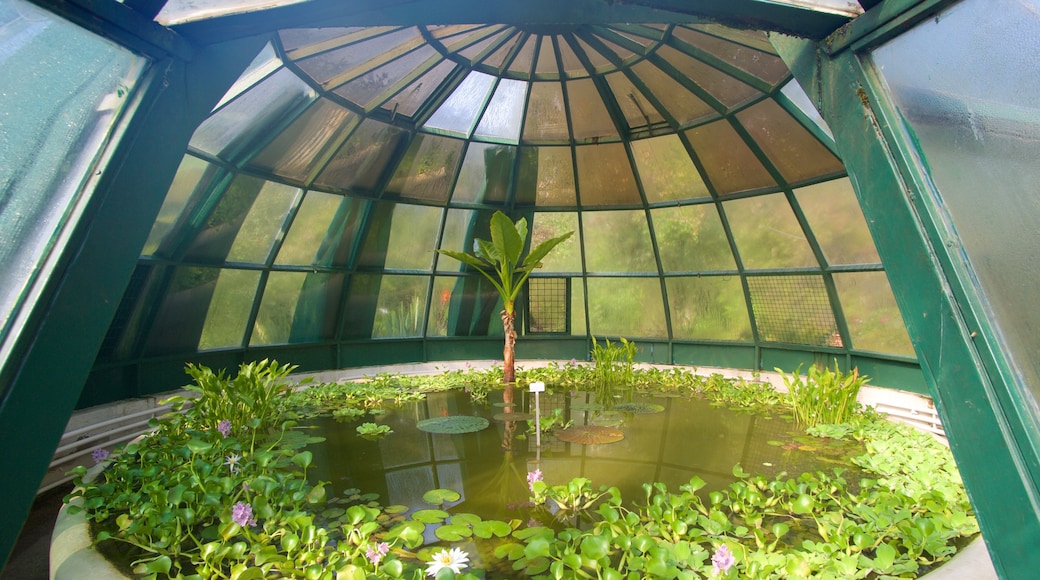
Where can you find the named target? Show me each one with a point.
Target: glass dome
(708, 204)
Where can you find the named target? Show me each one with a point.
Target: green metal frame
(992, 438)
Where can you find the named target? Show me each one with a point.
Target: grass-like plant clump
(823, 396)
(220, 492)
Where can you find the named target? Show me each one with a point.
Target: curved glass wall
(707, 203)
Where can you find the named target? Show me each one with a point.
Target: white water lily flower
(455, 559)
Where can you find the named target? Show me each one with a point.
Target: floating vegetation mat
(513, 417)
(453, 424)
(590, 434)
(639, 408)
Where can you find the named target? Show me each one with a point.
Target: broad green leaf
(441, 496)
(506, 238)
(453, 533)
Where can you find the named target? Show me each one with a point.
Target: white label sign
(537, 387)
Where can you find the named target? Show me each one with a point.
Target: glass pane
(637, 110)
(546, 121)
(401, 307)
(328, 68)
(182, 313)
(730, 164)
(229, 309)
(213, 241)
(485, 174)
(297, 307)
(763, 65)
(521, 65)
(691, 239)
(297, 150)
(264, 64)
(547, 64)
(427, 169)
(370, 89)
(178, 11)
(767, 233)
(871, 313)
(605, 176)
(309, 229)
(413, 234)
(362, 161)
(708, 308)
(579, 327)
(441, 306)
(628, 307)
(794, 151)
(63, 88)
(263, 224)
(589, 115)
(253, 117)
(546, 177)
(837, 221)
(971, 104)
(457, 236)
(666, 170)
(794, 92)
(618, 241)
(565, 257)
(681, 104)
(727, 89)
(793, 309)
(505, 112)
(459, 113)
(407, 101)
(193, 178)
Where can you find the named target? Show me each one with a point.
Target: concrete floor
(30, 559)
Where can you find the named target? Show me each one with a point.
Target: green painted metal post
(56, 353)
(960, 377)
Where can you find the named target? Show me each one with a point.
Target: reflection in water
(489, 468)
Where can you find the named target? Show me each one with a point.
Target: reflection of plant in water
(373, 430)
(550, 422)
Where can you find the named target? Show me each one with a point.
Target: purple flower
(574, 361)
(99, 455)
(533, 476)
(224, 427)
(723, 560)
(242, 514)
(376, 554)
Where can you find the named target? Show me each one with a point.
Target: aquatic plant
(613, 362)
(825, 396)
(590, 434)
(373, 430)
(453, 424)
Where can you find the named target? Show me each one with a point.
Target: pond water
(682, 439)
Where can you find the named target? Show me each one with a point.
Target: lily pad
(639, 408)
(453, 424)
(513, 417)
(590, 434)
(441, 496)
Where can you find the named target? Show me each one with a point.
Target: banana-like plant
(500, 260)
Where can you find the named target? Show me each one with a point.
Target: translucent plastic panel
(767, 233)
(297, 150)
(547, 65)
(618, 241)
(504, 114)
(303, 41)
(763, 65)
(458, 114)
(498, 58)
(972, 107)
(794, 151)
(565, 257)
(457, 236)
(546, 177)
(793, 309)
(193, 178)
(589, 115)
(229, 309)
(401, 308)
(837, 221)
(637, 110)
(214, 239)
(680, 103)
(628, 307)
(443, 286)
(251, 119)
(730, 164)
(708, 308)
(428, 168)
(666, 170)
(572, 65)
(605, 176)
(309, 229)
(178, 11)
(871, 313)
(794, 92)
(263, 224)
(579, 326)
(726, 89)
(370, 89)
(334, 67)
(409, 99)
(178, 322)
(62, 91)
(546, 121)
(264, 64)
(485, 174)
(297, 307)
(691, 239)
(413, 235)
(521, 65)
(363, 160)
